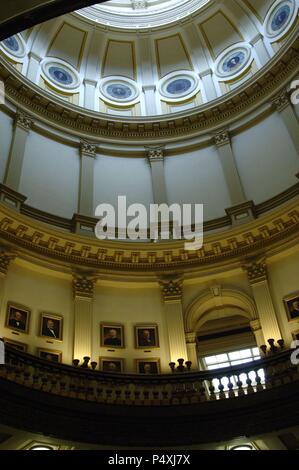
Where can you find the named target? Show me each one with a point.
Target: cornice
(211, 117)
(265, 235)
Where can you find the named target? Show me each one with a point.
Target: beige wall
(129, 303)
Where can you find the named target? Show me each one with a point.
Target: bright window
(234, 358)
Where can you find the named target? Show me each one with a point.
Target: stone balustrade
(148, 390)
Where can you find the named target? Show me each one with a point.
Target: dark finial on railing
(273, 348)
(181, 367)
(86, 360)
(281, 343)
(263, 348)
(94, 365)
(76, 362)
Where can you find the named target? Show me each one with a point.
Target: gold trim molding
(32, 239)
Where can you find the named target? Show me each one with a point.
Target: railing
(154, 390)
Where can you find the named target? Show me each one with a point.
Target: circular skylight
(135, 14)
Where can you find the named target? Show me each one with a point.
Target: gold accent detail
(83, 286)
(172, 289)
(256, 270)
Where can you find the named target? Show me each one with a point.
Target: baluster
(250, 388)
(231, 392)
(222, 395)
(259, 386)
(240, 392)
(212, 391)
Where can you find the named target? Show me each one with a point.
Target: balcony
(194, 407)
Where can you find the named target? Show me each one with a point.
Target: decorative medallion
(120, 91)
(280, 18)
(14, 47)
(179, 86)
(60, 75)
(233, 61)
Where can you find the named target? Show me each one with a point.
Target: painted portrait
(146, 336)
(18, 318)
(51, 326)
(49, 355)
(112, 335)
(148, 367)
(292, 307)
(16, 344)
(112, 365)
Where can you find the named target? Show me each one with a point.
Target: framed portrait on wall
(291, 304)
(16, 344)
(111, 364)
(148, 366)
(49, 355)
(112, 335)
(146, 336)
(18, 317)
(51, 326)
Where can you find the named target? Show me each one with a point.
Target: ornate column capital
(255, 325)
(87, 148)
(139, 4)
(222, 138)
(155, 154)
(172, 289)
(191, 337)
(23, 121)
(281, 101)
(83, 286)
(5, 259)
(256, 270)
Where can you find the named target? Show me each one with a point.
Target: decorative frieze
(83, 286)
(71, 250)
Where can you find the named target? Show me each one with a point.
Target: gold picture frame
(18, 317)
(146, 336)
(112, 335)
(148, 366)
(16, 344)
(49, 355)
(291, 303)
(51, 326)
(114, 365)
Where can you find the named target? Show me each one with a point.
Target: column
(258, 332)
(90, 93)
(191, 343)
(172, 296)
(258, 278)
(208, 84)
(23, 124)
(83, 289)
(261, 51)
(285, 109)
(156, 159)
(228, 162)
(150, 99)
(86, 190)
(147, 75)
(33, 66)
